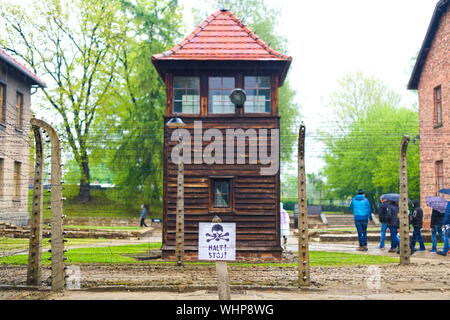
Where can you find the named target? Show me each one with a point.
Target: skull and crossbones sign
(217, 234)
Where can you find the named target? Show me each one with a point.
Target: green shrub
(289, 203)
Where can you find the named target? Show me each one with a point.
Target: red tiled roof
(222, 36)
(21, 68)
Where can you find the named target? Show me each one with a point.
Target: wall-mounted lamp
(238, 97)
(175, 123)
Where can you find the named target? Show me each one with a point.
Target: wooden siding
(255, 207)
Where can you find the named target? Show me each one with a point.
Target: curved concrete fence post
(405, 250)
(303, 233)
(34, 254)
(57, 245)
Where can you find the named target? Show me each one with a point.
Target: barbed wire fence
(106, 249)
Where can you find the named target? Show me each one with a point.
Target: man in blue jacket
(446, 227)
(362, 214)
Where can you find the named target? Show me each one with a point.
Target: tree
(316, 182)
(131, 134)
(356, 95)
(72, 44)
(262, 19)
(367, 157)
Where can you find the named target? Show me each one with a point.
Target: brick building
(431, 77)
(16, 83)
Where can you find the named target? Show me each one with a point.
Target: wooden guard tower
(200, 73)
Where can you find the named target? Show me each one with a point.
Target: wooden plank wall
(256, 197)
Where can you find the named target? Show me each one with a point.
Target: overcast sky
(330, 38)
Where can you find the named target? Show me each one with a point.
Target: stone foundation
(15, 218)
(100, 221)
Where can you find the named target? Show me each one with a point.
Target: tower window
(220, 89)
(186, 95)
(258, 94)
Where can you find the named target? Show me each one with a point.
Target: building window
(258, 94)
(2, 103)
(2, 175)
(186, 94)
(221, 193)
(19, 107)
(17, 180)
(439, 175)
(438, 106)
(219, 94)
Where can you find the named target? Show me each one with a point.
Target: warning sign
(217, 241)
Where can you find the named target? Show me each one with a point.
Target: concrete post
(34, 254)
(179, 234)
(303, 250)
(223, 281)
(405, 250)
(57, 247)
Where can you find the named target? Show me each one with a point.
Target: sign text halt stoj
(217, 241)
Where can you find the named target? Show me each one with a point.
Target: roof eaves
(440, 9)
(21, 68)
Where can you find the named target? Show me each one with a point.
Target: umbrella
(445, 191)
(391, 197)
(395, 197)
(437, 203)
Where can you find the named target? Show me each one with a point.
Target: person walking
(382, 213)
(393, 224)
(436, 228)
(362, 214)
(284, 225)
(446, 229)
(143, 215)
(416, 221)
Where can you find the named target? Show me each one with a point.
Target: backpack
(388, 215)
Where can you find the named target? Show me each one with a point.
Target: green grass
(334, 212)
(118, 254)
(331, 230)
(103, 227)
(111, 254)
(101, 204)
(9, 244)
(323, 258)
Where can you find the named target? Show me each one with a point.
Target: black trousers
(143, 224)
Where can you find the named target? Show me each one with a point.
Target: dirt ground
(423, 279)
(427, 277)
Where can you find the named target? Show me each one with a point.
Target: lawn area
(118, 254)
(103, 227)
(101, 205)
(332, 230)
(9, 244)
(111, 254)
(334, 212)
